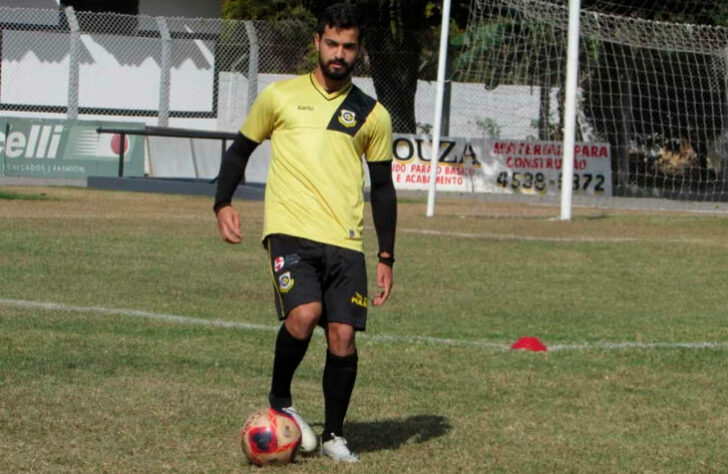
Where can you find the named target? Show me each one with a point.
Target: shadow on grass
(393, 433)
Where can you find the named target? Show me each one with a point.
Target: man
(319, 125)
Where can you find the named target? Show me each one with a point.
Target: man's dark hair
(340, 15)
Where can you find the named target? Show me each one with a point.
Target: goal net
(656, 91)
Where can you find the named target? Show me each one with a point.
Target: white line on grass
(376, 338)
(138, 314)
(638, 345)
(492, 236)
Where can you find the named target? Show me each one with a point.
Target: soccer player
(320, 125)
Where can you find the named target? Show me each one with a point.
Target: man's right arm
(232, 170)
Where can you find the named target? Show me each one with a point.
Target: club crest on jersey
(285, 282)
(278, 264)
(347, 118)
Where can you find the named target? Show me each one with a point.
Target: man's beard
(335, 75)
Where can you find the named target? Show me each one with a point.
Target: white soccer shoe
(308, 438)
(336, 449)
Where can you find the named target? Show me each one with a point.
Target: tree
(129, 7)
(104, 19)
(633, 95)
(701, 12)
(394, 42)
(402, 45)
(511, 50)
(265, 10)
(648, 101)
(399, 41)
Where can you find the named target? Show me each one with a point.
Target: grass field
(103, 378)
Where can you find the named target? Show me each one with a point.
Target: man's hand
(384, 282)
(228, 224)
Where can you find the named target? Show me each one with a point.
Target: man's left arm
(384, 212)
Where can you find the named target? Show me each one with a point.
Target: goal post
(439, 97)
(654, 91)
(572, 70)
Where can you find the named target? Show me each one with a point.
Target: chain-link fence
(655, 91)
(193, 73)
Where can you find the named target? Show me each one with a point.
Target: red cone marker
(530, 344)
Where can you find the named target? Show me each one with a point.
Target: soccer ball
(270, 437)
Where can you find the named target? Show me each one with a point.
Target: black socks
(338, 383)
(289, 354)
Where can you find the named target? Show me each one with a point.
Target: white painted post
(437, 126)
(252, 64)
(164, 72)
(73, 63)
(233, 87)
(572, 72)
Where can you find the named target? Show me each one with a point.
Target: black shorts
(305, 271)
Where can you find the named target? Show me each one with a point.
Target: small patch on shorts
(360, 300)
(285, 282)
(292, 259)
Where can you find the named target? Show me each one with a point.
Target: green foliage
(549, 129)
(488, 127)
(266, 10)
(129, 7)
(699, 12)
(630, 94)
(424, 128)
(400, 41)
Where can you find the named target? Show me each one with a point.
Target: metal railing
(166, 132)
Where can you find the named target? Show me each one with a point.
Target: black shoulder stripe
(353, 112)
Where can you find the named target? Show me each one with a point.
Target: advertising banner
(534, 167)
(458, 164)
(500, 166)
(46, 148)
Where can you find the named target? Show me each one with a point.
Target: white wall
(33, 63)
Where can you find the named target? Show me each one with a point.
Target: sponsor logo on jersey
(278, 264)
(307, 108)
(292, 259)
(347, 118)
(360, 300)
(285, 282)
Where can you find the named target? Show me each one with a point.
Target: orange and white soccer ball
(270, 437)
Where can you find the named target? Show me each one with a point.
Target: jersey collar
(326, 95)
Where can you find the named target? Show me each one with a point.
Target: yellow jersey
(315, 186)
